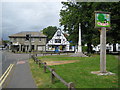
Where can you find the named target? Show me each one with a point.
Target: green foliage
(49, 31)
(83, 12)
(84, 48)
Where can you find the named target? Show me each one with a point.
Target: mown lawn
(79, 72)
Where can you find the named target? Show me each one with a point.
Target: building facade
(20, 43)
(58, 42)
(109, 48)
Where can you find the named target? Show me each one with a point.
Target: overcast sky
(29, 16)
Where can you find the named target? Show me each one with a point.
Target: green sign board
(102, 19)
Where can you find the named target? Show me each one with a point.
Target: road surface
(11, 58)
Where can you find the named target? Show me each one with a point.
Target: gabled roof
(58, 35)
(23, 34)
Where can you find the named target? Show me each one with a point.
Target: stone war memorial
(79, 53)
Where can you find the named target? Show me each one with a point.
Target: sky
(29, 15)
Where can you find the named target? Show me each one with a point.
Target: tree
(49, 31)
(83, 12)
(101, 17)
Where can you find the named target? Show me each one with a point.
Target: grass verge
(79, 72)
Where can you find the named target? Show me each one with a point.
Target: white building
(117, 47)
(109, 47)
(58, 42)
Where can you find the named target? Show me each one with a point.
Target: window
(26, 39)
(118, 47)
(57, 40)
(32, 39)
(39, 39)
(58, 33)
(14, 39)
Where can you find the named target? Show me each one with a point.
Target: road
(11, 58)
(21, 76)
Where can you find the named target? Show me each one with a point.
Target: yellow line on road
(5, 75)
(5, 72)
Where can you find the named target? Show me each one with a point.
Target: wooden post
(45, 67)
(36, 61)
(103, 50)
(70, 85)
(39, 63)
(52, 76)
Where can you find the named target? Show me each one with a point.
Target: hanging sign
(102, 19)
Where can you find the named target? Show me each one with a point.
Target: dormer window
(59, 33)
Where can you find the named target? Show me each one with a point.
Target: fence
(70, 85)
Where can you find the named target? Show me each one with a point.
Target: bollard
(71, 86)
(52, 76)
(45, 67)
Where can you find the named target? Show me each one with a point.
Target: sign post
(103, 50)
(102, 19)
(102, 22)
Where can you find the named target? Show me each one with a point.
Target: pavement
(22, 76)
(10, 58)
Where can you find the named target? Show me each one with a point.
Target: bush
(84, 48)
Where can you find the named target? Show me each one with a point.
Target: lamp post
(28, 37)
(29, 45)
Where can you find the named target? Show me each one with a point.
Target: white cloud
(29, 16)
(33, 0)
